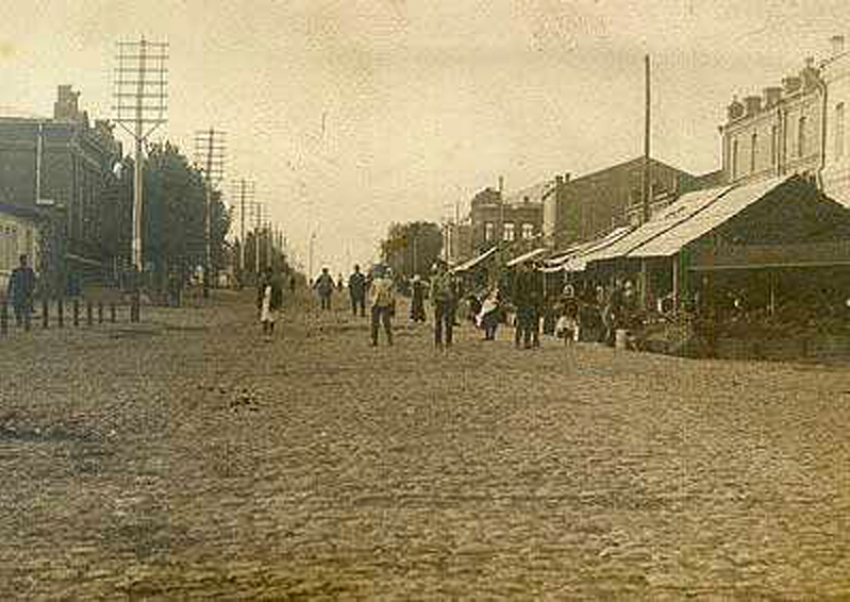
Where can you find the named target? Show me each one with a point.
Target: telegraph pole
(209, 156)
(140, 93)
(244, 190)
(647, 184)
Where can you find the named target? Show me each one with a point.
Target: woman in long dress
(269, 301)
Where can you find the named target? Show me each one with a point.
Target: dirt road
(182, 458)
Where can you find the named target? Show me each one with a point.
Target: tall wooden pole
(647, 182)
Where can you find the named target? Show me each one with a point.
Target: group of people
(573, 316)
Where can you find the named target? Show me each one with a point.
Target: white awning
(468, 265)
(578, 261)
(525, 257)
(702, 222)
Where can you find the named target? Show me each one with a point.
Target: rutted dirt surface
(183, 458)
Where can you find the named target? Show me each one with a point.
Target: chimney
(791, 84)
(753, 104)
(735, 110)
(567, 177)
(772, 96)
(501, 185)
(837, 45)
(66, 107)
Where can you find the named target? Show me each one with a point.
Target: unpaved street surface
(182, 458)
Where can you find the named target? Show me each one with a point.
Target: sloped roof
(578, 260)
(525, 257)
(468, 265)
(680, 210)
(704, 221)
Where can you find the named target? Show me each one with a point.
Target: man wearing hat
(443, 299)
(383, 304)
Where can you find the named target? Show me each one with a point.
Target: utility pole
(647, 183)
(244, 190)
(312, 241)
(209, 156)
(647, 188)
(140, 93)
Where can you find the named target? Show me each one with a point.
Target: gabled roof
(704, 221)
(680, 210)
(525, 257)
(468, 265)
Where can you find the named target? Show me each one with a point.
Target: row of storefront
(778, 247)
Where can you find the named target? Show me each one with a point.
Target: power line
(209, 157)
(140, 93)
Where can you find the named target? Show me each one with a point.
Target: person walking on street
(443, 299)
(523, 298)
(21, 291)
(417, 299)
(538, 304)
(269, 301)
(383, 304)
(357, 291)
(325, 287)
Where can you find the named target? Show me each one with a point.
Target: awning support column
(677, 259)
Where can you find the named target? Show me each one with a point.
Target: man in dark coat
(22, 291)
(525, 298)
(357, 291)
(325, 287)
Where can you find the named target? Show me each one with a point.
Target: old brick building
(63, 166)
(590, 206)
(835, 72)
(510, 219)
(777, 132)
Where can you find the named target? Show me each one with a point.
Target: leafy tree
(174, 227)
(412, 248)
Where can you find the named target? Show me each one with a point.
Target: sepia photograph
(425, 300)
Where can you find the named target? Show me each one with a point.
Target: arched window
(734, 160)
(754, 140)
(774, 145)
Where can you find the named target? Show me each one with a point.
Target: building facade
(64, 165)
(19, 235)
(835, 72)
(780, 131)
(590, 206)
(499, 219)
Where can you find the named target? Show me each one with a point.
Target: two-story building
(509, 219)
(63, 166)
(778, 132)
(835, 72)
(584, 208)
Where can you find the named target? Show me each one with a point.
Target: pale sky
(424, 102)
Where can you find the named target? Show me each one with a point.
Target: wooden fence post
(4, 317)
(112, 316)
(76, 312)
(45, 313)
(60, 312)
(100, 312)
(89, 314)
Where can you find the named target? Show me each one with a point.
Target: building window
(753, 149)
(774, 145)
(839, 130)
(509, 235)
(801, 137)
(527, 231)
(734, 160)
(488, 231)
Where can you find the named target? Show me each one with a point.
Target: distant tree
(412, 248)
(174, 236)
